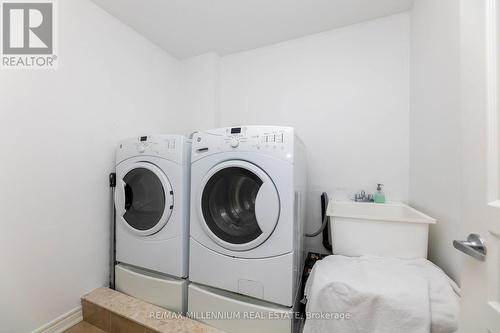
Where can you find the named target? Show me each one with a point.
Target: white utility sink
(385, 230)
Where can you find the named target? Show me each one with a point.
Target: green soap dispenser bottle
(379, 196)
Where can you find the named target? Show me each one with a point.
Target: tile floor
(113, 312)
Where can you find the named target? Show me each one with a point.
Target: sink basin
(383, 230)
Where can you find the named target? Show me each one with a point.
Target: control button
(279, 137)
(272, 138)
(235, 142)
(141, 148)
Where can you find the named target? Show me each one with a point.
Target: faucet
(363, 197)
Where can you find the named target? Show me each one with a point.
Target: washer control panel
(272, 140)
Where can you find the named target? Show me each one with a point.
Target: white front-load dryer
(152, 210)
(247, 211)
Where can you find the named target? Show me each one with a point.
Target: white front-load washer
(247, 211)
(152, 210)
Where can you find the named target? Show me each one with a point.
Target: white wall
(58, 130)
(435, 125)
(200, 84)
(346, 91)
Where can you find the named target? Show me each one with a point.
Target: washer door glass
(144, 198)
(240, 205)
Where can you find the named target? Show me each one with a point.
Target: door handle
(474, 246)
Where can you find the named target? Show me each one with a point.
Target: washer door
(143, 198)
(240, 205)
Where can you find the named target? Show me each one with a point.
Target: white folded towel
(380, 295)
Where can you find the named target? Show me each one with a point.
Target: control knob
(234, 142)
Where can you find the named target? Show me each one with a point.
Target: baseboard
(62, 323)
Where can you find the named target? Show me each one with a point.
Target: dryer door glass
(228, 205)
(144, 199)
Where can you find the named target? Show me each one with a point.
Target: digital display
(236, 130)
(144, 138)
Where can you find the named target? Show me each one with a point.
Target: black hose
(112, 237)
(326, 230)
(325, 218)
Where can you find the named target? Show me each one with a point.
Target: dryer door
(143, 198)
(239, 204)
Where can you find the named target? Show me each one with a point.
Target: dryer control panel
(270, 140)
(171, 147)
